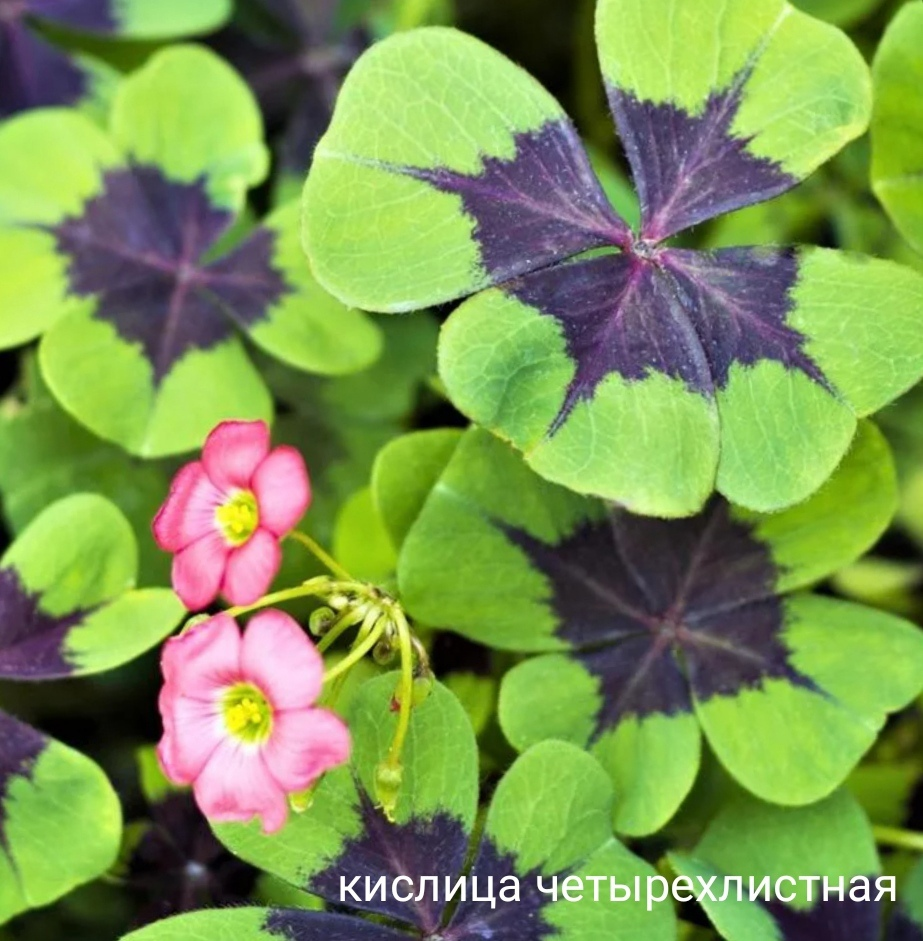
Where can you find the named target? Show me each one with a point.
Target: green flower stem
(899, 839)
(332, 693)
(406, 688)
(349, 618)
(358, 652)
(321, 586)
(321, 554)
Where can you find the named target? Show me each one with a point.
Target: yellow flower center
(247, 713)
(239, 517)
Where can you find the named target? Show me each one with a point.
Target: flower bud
(422, 687)
(388, 780)
(383, 652)
(321, 620)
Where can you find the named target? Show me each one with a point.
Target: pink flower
(225, 515)
(239, 719)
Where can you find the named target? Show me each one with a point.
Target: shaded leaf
(66, 598)
(652, 627)
(621, 366)
(553, 784)
(60, 820)
(897, 150)
(46, 455)
(830, 840)
(114, 260)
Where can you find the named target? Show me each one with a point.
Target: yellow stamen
(247, 713)
(239, 517)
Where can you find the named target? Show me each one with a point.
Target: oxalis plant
(620, 364)
(579, 601)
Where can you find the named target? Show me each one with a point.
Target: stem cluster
(382, 630)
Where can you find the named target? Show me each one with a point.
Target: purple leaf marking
(32, 642)
(661, 610)
(139, 249)
(95, 16)
(20, 748)
(687, 315)
(688, 168)
(542, 206)
(33, 73)
(830, 920)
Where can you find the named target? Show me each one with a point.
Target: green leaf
(46, 455)
(509, 560)
(309, 328)
(67, 584)
(907, 918)
(361, 543)
(440, 780)
(750, 839)
(552, 813)
(60, 819)
(897, 149)
(379, 236)
(841, 521)
(165, 19)
(238, 924)
(405, 471)
(217, 136)
(203, 389)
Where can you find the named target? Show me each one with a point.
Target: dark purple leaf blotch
(691, 167)
(415, 849)
(902, 927)
(93, 16)
(659, 610)
(32, 642)
(20, 748)
(295, 66)
(33, 73)
(179, 866)
(428, 921)
(684, 314)
(542, 205)
(833, 920)
(290, 924)
(520, 921)
(139, 249)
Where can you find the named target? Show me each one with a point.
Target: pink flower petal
(282, 489)
(188, 513)
(198, 570)
(203, 661)
(233, 451)
(236, 786)
(303, 745)
(279, 658)
(251, 568)
(193, 729)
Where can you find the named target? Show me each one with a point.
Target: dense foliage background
(170, 861)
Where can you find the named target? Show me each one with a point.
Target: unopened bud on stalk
(383, 652)
(321, 620)
(388, 779)
(422, 687)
